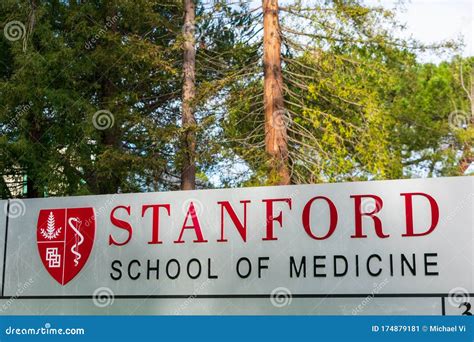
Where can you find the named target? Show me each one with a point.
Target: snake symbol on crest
(78, 237)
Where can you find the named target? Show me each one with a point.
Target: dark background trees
(92, 97)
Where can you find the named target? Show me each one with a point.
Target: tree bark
(276, 136)
(188, 172)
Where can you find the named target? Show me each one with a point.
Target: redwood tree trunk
(188, 172)
(276, 136)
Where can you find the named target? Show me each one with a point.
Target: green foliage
(359, 104)
(432, 110)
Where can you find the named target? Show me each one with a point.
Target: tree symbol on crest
(51, 232)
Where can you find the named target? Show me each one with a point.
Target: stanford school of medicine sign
(414, 236)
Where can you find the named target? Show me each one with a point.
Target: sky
(433, 20)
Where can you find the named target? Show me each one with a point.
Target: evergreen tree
(103, 83)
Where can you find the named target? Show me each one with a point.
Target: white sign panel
(347, 242)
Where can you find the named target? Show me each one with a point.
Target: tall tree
(276, 138)
(188, 172)
(103, 84)
(341, 64)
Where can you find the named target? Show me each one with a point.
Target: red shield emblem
(65, 238)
